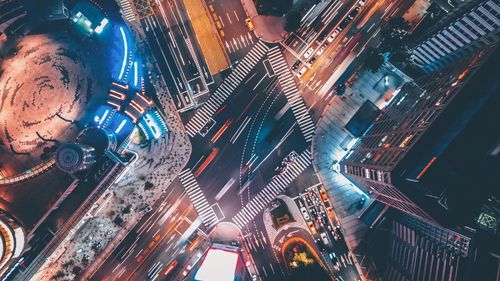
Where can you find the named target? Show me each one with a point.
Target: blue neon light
(104, 116)
(120, 127)
(136, 74)
(125, 52)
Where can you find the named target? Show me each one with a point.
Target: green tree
(394, 35)
(374, 60)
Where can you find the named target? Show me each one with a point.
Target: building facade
(387, 162)
(12, 240)
(473, 26)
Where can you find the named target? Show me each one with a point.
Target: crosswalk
(226, 88)
(198, 199)
(273, 189)
(127, 10)
(291, 92)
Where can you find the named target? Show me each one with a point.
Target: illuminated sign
(219, 265)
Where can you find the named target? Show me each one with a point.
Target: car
(337, 234)
(321, 49)
(170, 267)
(333, 258)
(324, 196)
(310, 224)
(361, 3)
(296, 65)
(320, 244)
(344, 23)
(353, 13)
(305, 214)
(314, 213)
(308, 53)
(211, 8)
(249, 24)
(311, 61)
(321, 37)
(332, 36)
(301, 71)
(324, 238)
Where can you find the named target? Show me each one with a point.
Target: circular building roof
(48, 83)
(70, 157)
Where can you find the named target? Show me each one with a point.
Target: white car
(321, 50)
(362, 2)
(324, 238)
(333, 36)
(301, 71)
(304, 212)
(308, 53)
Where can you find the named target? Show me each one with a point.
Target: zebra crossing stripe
(196, 196)
(127, 10)
(277, 185)
(291, 92)
(227, 87)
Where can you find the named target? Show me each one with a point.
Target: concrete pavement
(267, 28)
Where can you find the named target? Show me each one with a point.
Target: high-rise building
(405, 248)
(472, 26)
(429, 152)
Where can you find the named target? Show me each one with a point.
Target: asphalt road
(249, 135)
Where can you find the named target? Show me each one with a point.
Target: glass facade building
(391, 159)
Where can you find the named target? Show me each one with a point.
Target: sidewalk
(267, 28)
(158, 162)
(326, 148)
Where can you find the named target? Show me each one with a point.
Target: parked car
(301, 71)
(308, 53)
(321, 50)
(332, 36)
(311, 61)
(353, 13)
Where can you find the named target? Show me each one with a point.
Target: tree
(394, 35)
(76, 270)
(292, 21)
(118, 221)
(374, 60)
(127, 209)
(148, 185)
(301, 258)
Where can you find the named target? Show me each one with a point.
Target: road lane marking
(236, 15)
(240, 130)
(230, 22)
(260, 81)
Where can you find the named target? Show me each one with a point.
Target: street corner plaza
(48, 82)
